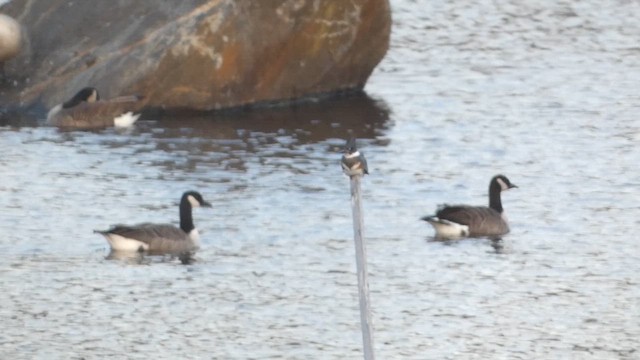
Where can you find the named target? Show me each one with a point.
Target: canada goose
(10, 40)
(463, 220)
(159, 238)
(85, 110)
(353, 161)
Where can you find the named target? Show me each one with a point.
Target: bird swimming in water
(159, 238)
(455, 221)
(85, 110)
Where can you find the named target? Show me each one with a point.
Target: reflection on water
(469, 90)
(144, 258)
(236, 133)
(497, 245)
(224, 139)
(306, 123)
(129, 257)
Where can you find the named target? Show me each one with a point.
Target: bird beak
(513, 186)
(205, 204)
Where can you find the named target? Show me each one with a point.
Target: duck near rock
(85, 110)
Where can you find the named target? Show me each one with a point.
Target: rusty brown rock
(198, 54)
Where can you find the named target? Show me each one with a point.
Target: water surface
(543, 92)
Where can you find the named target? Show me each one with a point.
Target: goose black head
(87, 94)
(501, 183)
(195, 199)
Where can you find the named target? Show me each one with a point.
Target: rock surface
(196, 54)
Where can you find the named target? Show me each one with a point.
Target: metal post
(361, 264)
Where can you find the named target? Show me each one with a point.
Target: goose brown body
(480, 220)
(86, 111)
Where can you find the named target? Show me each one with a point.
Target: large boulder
(196, 54)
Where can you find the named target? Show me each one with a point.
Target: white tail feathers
(126, 119)
(446, 229)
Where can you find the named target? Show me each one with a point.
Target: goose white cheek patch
(503, 185)
(93, 97)
(193, 201)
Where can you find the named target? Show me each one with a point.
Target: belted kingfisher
(353, 161)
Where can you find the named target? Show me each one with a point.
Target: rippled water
(544, 92)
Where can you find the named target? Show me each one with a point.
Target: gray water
(544, 92)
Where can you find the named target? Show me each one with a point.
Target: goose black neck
(186, 219)
(494, 197)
